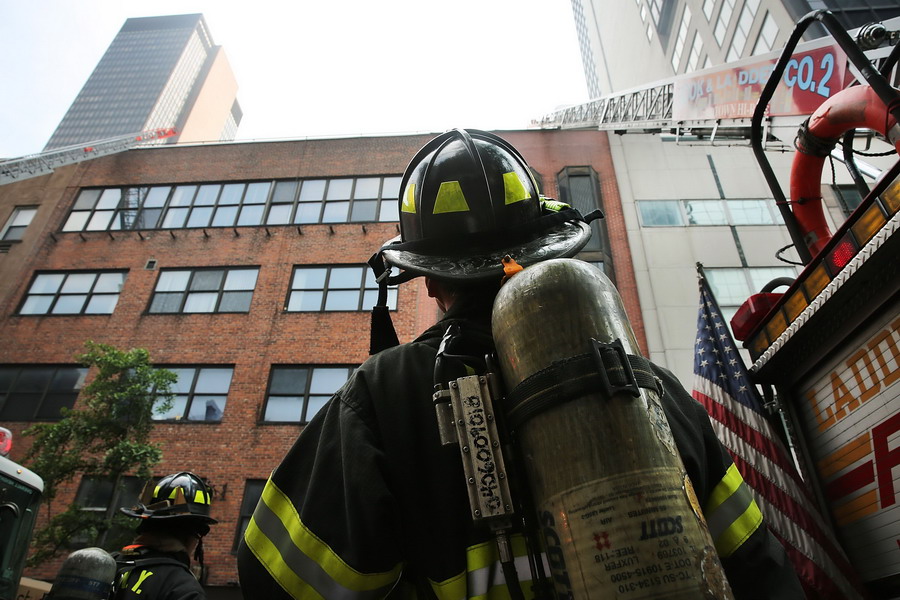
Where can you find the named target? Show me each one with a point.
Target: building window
(722, 22)
(253, 489)
(199, 394)
(337, 288)
(732, 286)
(681, 38)
(659, 213)
(655, 10)
(237, 204)
(296, 393)
(742, 31)
(767, 36)
(73, 293)
(18, 221)
(103, 498)
(848, 197)
(677, 213)
(708, 7)
(37, 393)
(580, 187)
(226, 290)
(694, 55)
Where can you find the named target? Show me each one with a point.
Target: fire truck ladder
(648, 109)
(35, 165)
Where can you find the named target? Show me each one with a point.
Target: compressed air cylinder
(616, 508)
(87, 574)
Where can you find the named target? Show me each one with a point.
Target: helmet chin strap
(382, 334)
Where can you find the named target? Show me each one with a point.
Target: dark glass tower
(158, 72)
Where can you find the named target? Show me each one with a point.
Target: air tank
(614, 503)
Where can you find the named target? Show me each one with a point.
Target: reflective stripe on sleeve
(483, 578)
(299, 561)
(731, 513)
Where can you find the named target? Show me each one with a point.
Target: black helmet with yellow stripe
(182, 498)
(467, 199)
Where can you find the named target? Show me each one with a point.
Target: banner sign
(732, 91)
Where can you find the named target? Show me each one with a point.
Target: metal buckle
(604, 368)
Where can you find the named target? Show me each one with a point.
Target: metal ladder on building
(43, 163)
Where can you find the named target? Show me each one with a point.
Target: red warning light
(5, 441)
(840, 255)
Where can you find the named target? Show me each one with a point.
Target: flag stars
(704, 363)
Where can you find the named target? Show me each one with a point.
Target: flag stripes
(722, 385)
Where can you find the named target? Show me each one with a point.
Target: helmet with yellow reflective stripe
(182, 496)
(467, 199)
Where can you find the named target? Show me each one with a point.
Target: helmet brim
(142, 514)
(480, 264)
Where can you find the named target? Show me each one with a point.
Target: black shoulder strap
(123, 564)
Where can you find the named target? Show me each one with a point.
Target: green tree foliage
(106, 437)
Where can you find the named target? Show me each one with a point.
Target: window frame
(365, 290)
(58, 294)
(599, 247)
(245, 512)
(79, 372)
(303, 418)
(114, 502)
(181, 203)
(186, 293)
(11, 224)
(192, 394)
(726, 207)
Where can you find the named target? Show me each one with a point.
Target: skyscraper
(158, 72)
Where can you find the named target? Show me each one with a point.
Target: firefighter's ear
(443, 296)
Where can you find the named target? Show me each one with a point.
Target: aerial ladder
(43, 163)
(717, 103)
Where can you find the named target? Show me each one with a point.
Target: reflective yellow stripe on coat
(732, 513)
(299, 561)
(483, 578)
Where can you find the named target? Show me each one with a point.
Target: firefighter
(174, 519)
(368, 503)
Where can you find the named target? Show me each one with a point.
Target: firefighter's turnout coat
(148, 573)
(369, 503)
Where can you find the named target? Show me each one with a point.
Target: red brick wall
(239, 448)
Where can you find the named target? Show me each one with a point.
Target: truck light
(841, 254)
(776, 325)
(751, 313)
(816, 281)
(891, 198)
(5, 441)
(759, 344)
(795, 304)
(868, 224)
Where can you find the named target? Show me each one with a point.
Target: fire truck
(20, 498)
(828, 345)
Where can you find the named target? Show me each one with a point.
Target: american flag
(723, 386)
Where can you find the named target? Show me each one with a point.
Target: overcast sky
(314, 67)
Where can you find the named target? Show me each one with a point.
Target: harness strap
(606, 369)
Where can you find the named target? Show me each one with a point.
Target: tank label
(632, 536)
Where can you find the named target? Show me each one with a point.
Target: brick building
(239, 266)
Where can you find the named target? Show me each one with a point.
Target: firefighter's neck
(443, 296)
